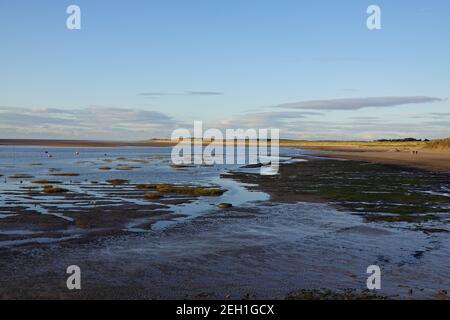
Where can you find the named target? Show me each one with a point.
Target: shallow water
(259, 247)
(265, 254)
(143, 165)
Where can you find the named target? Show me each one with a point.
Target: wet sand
(315, 232)
(83, 211)
(264, 253)
(433, 160)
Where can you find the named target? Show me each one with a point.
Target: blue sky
(139, 69)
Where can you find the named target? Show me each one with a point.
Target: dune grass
(442, 144)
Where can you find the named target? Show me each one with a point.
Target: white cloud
(97, 122)
(186, 93)
(306, 125)
(358, 103)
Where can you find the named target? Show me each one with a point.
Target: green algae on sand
(178, 189)
(117, 182)
(152, 196)
(65, 174)
(51, 189)
(224, 205)
(327, 294)
(46, 182)
(21, 176)
(126, 168)
(376, 192)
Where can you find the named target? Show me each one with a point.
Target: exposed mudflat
(264, 252)
(315, 228)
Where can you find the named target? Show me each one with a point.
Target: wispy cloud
(204, 93)
(307, 122)
(96, 122)
(366, 118)
(186, 93)
(368, 130)
(303, 124)
(440, 114)
(358, 103)
(270, 119)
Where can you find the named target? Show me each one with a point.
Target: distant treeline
(402, 140)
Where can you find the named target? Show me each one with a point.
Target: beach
(140, 228)
(433, 160)
(225, 151)
(400, 153)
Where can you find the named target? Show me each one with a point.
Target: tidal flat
(159, 232)
(376, 192)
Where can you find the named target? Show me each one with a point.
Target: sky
(139, 69)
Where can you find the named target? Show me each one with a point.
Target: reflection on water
(236, 194)
(84, 171)
(272, 248)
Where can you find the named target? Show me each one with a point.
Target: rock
(178, 166)
(252, 166)
(442, 292)
(152, 196)
(116, 182)
(51, 189)
(224, 205)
